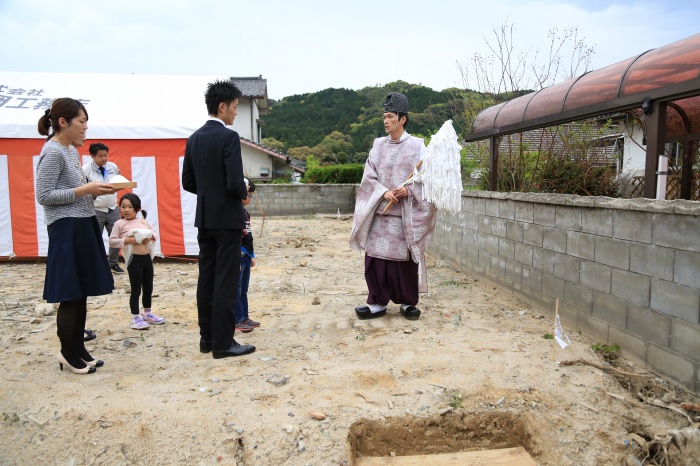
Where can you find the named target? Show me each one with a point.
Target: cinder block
(533, 234)
(514, 271)
(507, 209)
(498, 265)
(491, 207)
(593, 328)
(672, 365)
(597, 221)
(578, 296)
(568, 218)
(677, 231)
(506, 248)
(553, 286)
(514, 230)
(686, 269)
(685, 339)
(479, 205)
(524, 212)
(523, 253)
(651, 325)
(543, 259)
(567, 267)
(610, 309)
(554, 239)
(633, 287)
(677, 300)
(498, 227)
(632, 347)
(596, 276)
(580, 244)
(544, 215)
(655, 261)
(485, 224)
(633, 225)
(612, 252)
(532, 278)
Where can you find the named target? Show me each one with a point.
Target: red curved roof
(669, 74)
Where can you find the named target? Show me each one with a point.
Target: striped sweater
(58, 173)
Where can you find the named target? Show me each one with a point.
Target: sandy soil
(475, 372)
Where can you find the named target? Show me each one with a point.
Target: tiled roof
(252, 87)
(295, 164)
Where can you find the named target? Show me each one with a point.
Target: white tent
(145, 120)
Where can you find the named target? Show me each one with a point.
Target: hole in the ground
(440, 434)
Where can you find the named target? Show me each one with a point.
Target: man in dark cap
(392, 222)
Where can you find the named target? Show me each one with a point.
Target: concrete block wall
(304, 199)
(626, 271)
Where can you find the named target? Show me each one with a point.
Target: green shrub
(335, 174)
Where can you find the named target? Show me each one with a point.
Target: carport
(662, 85)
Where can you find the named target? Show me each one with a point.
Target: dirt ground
(475, 372)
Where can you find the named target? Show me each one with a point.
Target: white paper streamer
(441, 173)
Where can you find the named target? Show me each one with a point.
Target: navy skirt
(76, 265)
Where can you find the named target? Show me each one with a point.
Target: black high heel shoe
(94, 363)
(85, 370)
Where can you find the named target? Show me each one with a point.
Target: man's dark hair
(401, 114)
(96, 147)
(220, 91)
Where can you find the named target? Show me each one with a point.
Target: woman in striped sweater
(76, 265)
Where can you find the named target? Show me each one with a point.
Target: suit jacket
(213, 170)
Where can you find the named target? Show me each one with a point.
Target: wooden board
(130, 184)
(516, 456)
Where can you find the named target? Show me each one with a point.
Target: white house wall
(635, 152)
(254, 160)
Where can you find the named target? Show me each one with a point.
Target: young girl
(136, 237)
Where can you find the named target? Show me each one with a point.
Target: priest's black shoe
(236, 349)
(364, 312)
(204, 346)
(411, 313)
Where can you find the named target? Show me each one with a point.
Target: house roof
(254, 88)
(279, 155)
(669, 74)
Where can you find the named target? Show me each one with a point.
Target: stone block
(612, 252)
(580, 244)
(655, 261)
(677, 231)
(633, 225)
(677, 300)
(633, 287)
(610, 309)
(596, 276)
(686, 269)
(554, 239)
(533, 234)
(567, 267)
(543, 259)
(651, 325)
(506, 248)
(544, 215)
(597, 221)
(632, 347)
(674, 366)
(523, 254)
(568, 218)
(685, 339)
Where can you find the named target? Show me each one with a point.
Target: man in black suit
(213, 170)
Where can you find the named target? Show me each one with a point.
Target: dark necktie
(102, 170)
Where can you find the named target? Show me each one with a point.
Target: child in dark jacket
(243, 322)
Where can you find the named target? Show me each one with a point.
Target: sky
(306, 46)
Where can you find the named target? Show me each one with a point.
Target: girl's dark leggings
(141, 277)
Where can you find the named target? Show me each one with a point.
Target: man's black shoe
(204, 346)
(236, 349)
(89, 335)
(411, 313)
(116, 269)
(364, 313)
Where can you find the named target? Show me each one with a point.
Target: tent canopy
(120, 106)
